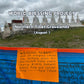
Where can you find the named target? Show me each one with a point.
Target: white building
(25, 23)
(17, 25)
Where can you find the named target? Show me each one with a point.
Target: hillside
(63, 38)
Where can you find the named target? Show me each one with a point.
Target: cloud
(5, 5)
(30, 5)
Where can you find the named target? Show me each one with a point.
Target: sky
(30, 5)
